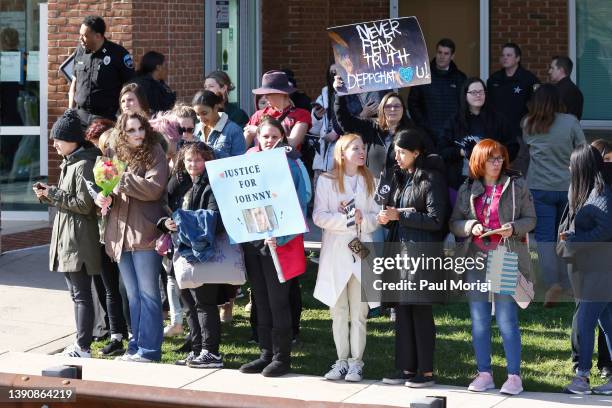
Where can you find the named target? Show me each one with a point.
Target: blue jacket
(226, 139)
(301, 181)
(196, 234)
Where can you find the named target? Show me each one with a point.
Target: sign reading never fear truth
(383, 54)
(256, 196)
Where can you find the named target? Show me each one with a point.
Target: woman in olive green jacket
(74, 248)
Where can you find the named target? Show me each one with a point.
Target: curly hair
(141, 157)
(200, 148)
(97, 127)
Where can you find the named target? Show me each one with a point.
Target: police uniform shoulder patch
(128, 61)
(107, 60)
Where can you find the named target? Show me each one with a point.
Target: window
(594, 57)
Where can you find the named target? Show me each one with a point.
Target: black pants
(191, 313)
(272, 297)
(603, 355)
(100, 293)
(203, 317)
(295, 303)
(415, 337)
(112, 299)
(79, 285)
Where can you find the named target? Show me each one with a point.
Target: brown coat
(131, 223)
(464, 216)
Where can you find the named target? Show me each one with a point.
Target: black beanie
(68, 128)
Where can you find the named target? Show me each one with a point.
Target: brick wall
(539, 27)
(294, 36)
(176, 29)
(172, 27)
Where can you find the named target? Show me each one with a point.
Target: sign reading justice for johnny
(383, 54)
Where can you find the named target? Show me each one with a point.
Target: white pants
(350, 342)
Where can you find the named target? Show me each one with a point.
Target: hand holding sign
(379, 55)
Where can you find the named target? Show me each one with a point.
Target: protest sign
(383, 54)
(256, 196)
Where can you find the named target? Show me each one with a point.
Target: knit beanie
(68, 128)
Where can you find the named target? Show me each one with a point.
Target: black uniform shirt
(100, 76)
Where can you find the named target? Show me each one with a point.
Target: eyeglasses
(496, 160)
(393, 107)
(182, 130)
(477, 93)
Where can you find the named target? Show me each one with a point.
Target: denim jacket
(226, 139)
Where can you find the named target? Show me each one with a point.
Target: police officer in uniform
(101, 67)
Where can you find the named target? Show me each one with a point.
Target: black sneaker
(114, 348)
(206, 359)
(606, 373)
(421, 381)
(399, 377)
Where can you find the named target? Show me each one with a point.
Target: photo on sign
(260, 219)
(380, 55)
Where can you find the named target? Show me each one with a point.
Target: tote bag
(225, 266)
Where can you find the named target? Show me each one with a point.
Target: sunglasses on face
(182, 130)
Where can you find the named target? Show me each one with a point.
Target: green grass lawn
(546, 364)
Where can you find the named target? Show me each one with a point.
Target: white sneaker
(172, 330)
(338, 371)
(355, 372)
(74, 350)
(124, 357)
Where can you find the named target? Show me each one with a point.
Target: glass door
(231, 41)
(23, 62)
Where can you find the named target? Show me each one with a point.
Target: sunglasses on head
(182, 130)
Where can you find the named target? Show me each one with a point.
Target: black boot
(281, 362)
(265, 345)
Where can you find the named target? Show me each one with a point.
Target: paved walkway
(37, 318)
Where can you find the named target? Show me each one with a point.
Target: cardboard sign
(256, 196)
(379, 55)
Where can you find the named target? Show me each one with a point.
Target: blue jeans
(549, 207)
(506, 315)
(588, 314)
(140, 273)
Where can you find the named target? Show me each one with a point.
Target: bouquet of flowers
(107, 173)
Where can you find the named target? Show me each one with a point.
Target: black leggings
(203, 317)
(79, 285)
(114, 303)
(415, 338)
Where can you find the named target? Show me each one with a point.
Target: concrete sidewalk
(35, 306)
(303, 387)
(37, 318)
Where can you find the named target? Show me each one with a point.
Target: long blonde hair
(338, 170)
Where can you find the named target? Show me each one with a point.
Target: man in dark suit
(571, 96)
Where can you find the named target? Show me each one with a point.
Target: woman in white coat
(339, 278)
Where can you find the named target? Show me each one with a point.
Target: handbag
(357, 247)
(566, 224)
(524, 293)
(225, 266)
(163, 244)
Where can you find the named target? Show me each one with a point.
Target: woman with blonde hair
(339, 278)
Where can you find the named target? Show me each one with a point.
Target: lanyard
(488, 203)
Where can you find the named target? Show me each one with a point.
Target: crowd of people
(463, 156)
